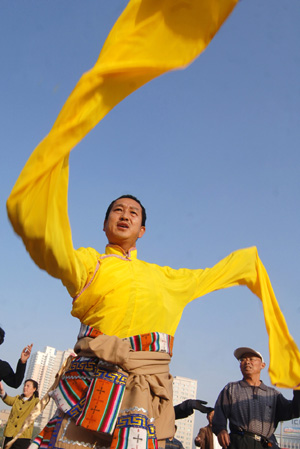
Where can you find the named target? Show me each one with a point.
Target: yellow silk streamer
(150, 38)
(284, 368)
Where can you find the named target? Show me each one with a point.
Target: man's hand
(223, 438)
(25, 354)
(198, 441)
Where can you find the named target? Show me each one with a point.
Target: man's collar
(118, 251)
(244, 383)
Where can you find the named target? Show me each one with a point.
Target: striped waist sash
(153, 341)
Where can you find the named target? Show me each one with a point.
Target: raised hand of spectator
(25, 354)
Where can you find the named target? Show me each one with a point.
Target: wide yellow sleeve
(39, 213)
(244, 267)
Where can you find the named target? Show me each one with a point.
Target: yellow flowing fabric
(150, 38)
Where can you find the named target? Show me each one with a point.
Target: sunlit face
(124, 224)
(251, 364)
(28, 389)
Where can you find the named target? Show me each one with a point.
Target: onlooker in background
(252, 409)
(22, 405)
(173, 443)
(206, 439)
(11, 378)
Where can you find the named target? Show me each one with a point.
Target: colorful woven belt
(153, 341)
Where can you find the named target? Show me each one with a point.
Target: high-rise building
(184, 388)
(43, 367)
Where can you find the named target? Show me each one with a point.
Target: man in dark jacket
(252, 409)
(11, 378)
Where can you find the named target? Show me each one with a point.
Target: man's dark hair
(144, 216)
(2, 335)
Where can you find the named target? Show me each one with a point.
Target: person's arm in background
(219, 422)
(187, 407)
(11, 378)
(287, 409)
(5, 398)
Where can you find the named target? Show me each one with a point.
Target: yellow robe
(124, 296)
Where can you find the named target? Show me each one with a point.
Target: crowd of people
(22, 404)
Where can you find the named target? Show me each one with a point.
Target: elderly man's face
(251, 364)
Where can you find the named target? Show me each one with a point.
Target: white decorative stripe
(163, 342)
(102, 362)
(137, 438)
(134, 409)
(67, 376)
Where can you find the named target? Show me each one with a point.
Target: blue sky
(212, 151)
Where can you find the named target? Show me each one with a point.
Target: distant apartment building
(184, 388)
(43, 367)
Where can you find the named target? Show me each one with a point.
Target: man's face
(124, 224)
(251, 364)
